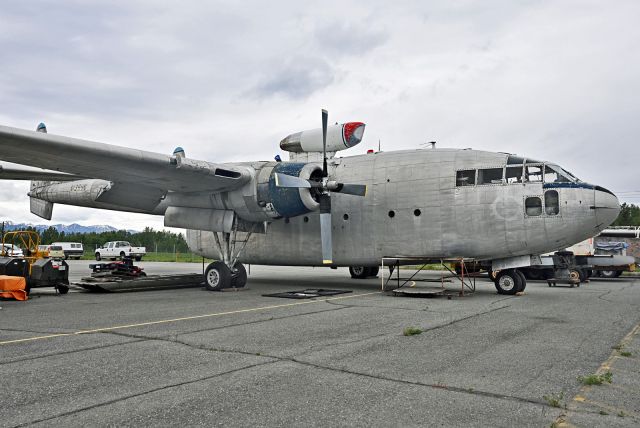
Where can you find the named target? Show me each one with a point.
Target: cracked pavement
(237, 358)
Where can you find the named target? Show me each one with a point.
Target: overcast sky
(226, 80)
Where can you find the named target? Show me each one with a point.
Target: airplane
(321, 210)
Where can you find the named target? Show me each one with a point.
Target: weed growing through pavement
(411, 331)
(555, 400)
(626, 353)
(596, 379)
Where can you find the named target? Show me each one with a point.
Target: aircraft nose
(606, 205)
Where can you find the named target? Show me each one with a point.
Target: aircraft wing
(19, 172)
(89, 159)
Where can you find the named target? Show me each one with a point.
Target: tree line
(629, 215)
(154, 240)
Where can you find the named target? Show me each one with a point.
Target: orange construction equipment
(13, 287)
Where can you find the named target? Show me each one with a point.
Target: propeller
(325, 188)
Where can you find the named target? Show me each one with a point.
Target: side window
(533, 173)
(533, 206)
(490, 176)
(551, 203)
(550, 176)
(466, 177)
(513, 174)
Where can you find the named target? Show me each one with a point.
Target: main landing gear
(227, 272)
(362, 272)
(510, 281)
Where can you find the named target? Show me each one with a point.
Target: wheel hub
(358, 270)
(213, 278)
(507, 283)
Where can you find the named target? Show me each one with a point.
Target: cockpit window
(533, 173)
(513, 174)
(554, 174)
(490, 176)
(466, 177)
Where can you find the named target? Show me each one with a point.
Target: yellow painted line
(173, 320)
(604, 367)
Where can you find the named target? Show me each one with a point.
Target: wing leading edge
(114, 163)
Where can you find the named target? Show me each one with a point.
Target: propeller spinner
(325, 188)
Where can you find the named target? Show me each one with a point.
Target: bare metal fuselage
(414, 208)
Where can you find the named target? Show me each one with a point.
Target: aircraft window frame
(533, 210)
(527, 174)
(494, 181)
(550, 203)
(562, 176)
(519, 179)
(459, 177)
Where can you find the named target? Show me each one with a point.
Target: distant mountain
(66, 228)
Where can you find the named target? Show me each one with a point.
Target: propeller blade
(284, 180)
(325, 229)
(325, 119)
(352, 189)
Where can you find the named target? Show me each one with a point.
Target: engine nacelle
(339, 137)
(291, 202)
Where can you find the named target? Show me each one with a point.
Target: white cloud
(226, 80)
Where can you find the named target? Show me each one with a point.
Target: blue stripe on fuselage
(567, 186)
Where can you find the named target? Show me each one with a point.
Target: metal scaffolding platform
(466, 278)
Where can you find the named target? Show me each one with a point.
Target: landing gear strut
(227, 272)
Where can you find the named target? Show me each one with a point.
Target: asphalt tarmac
(189, 357)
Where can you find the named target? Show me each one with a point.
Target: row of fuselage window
(511, 174)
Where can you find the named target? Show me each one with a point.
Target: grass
(411, 331)
(555, 400)
(603, 413)
(626, 353)
(596, 379)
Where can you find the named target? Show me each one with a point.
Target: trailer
(583, 260)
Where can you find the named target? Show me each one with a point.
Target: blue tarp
(612, 246)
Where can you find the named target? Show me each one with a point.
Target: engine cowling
(291, 202)
(339, 137)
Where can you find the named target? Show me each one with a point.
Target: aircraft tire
(507, 282)
(523, 281)
(359, 272)
(217, 276)
(239, 277)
